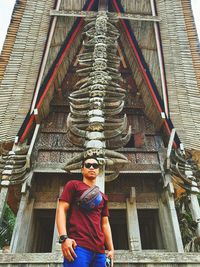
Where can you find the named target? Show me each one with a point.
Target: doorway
(150, 232)
(119, 228)
(43, 227)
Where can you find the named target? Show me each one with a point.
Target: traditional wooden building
(136, 106)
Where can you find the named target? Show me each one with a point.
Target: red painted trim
(135, 53)
(138, 59)
(62, 57)
(59, 63)
(31, 120)
(54, 73)
(165, 91)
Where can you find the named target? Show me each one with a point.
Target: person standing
(84, 237)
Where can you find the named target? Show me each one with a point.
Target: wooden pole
(137, 17)
(160, 59)
(195, 210)
(3, 199)
(100, 182)
(45, 58)
(132, 222)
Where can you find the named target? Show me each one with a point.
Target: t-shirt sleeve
(105, 211)
(68, 192)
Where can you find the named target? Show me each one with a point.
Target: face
(88, 170)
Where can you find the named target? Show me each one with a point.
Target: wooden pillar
(167, 213)
(132, 223)
(100, 181)
(55, 244)
(21, 235)
(195, 210)
(168, 219)
(3, 199)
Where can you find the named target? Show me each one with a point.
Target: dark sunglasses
(94, 165)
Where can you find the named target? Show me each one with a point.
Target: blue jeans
(86, 258)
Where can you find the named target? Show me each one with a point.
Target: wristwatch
(62, 238)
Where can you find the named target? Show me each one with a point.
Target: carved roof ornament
(94, 122)
(185, 170)
(14, 166)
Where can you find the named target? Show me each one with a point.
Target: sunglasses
(94, 165)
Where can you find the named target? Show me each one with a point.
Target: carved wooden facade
(156, 73)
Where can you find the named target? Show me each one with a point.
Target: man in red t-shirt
(87, 231)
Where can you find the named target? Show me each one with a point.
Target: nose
(91, 167)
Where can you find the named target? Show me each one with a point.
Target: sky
(6, 7)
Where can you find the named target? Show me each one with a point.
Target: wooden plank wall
(183, 91)
(46, 188)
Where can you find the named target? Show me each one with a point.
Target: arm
(61, 218)
(108, 236)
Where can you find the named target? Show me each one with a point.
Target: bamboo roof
(181, 60)
(24, 53)
(22, 56)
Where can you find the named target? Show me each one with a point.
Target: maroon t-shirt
(84, 226)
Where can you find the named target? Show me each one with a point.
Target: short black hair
(91, 157)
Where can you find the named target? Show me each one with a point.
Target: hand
(68, 247)
(110, 254)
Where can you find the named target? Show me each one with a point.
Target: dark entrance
(150, 232)
(42, 235)
(119, 228)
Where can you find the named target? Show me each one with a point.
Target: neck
(89, 182)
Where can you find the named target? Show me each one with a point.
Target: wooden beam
(160, 60)
(194, 207)
(20, 236)
(70, 13)
(57, 168)
(121, 57)
(169, 222)
(133, 226)
(111, 205)
(3, 199)
(170, 144)
(45, 57)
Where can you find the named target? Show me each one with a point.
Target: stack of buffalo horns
(94, 121)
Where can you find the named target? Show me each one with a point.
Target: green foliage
(6, 228)
(186, 223)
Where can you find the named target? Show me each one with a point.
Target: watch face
(62, 238)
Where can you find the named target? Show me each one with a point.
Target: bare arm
(108, 237)
(61, 218)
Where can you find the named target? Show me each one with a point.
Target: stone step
(122, 259)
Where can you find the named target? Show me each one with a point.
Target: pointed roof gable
(151, 90)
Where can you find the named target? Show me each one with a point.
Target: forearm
(108, 236)
(61, 218)
(68, 245)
